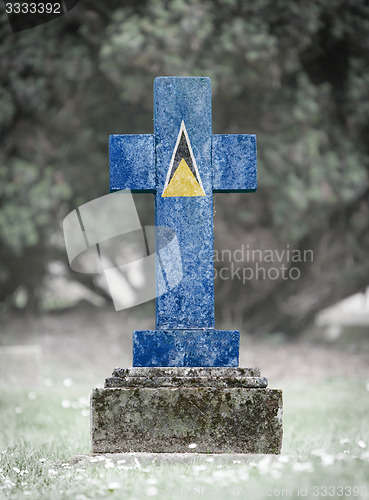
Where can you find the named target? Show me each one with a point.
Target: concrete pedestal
(165, 410)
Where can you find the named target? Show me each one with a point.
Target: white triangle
(183, 129)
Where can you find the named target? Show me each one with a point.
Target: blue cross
(183, 164)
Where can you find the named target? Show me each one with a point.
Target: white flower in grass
(65, 403)
(152, 491)
(67, 382)
(42, 460)
(327, 460)
(94, 459)
(243, 474)
(26, 492)
(210, 459)
(85, 413)
(192, 446)
(275, 473)
(361, 444)
(18, 410)
(124, 467)
(52, 472)
(277, 465)
(219, 474)
(303, 467)
(264, 464)
(84, 401)
(109, 465)
(32, 396)
(15, 469)
(318, 453)
(199, 467)
(121, 461)
(344, 440)
(341, 456)
(114, 485)
(152, 480)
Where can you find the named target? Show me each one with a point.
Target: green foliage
(294, 73)
(262, 58)
(31, 198)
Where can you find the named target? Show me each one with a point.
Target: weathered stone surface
(217, 420)
(197, 371)
(186, 348)
(189, 377)
(137, 153)
(234, 162)
(255, 382)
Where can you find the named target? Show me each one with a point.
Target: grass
(325, 451)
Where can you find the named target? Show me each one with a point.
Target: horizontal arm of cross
(234, 163)
(132, 162)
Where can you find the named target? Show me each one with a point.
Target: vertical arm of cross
(234, 163)
(182, 105)
(132, 162)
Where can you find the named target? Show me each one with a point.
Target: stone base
(165, 410)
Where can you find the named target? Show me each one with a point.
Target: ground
(89, 342)
(326, 403)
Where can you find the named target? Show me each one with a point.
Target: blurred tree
(296, 74)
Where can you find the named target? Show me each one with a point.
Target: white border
(183, 129)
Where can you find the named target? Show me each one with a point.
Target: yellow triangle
(183, 183)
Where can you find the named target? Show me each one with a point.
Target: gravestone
(185, 387)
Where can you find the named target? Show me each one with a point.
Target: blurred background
(294, 73)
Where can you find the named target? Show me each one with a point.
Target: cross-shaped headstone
(183, 164)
